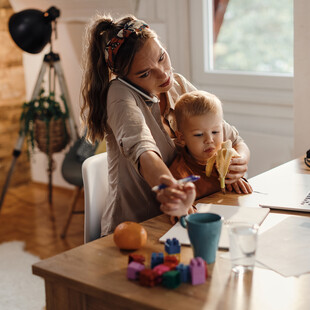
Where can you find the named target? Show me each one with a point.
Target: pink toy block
(159, 270)
(133, 270)
(198, 270)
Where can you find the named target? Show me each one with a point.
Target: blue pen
(191, 178)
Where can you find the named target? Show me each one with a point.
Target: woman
(139, 132)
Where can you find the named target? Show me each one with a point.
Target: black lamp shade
(31, 30)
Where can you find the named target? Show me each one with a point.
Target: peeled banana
(222, 161)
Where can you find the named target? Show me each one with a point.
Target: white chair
(95, 179)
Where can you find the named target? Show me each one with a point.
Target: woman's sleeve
(230, 132)
(128, 125)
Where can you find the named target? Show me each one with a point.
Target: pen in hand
(191, 178)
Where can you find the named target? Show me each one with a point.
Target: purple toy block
(198, 270)
(172, 246)
(157, 259)
(133, 270)
(184, 272)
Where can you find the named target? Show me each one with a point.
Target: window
(253, 36)
(241, 48)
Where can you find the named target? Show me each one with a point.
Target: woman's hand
(174, 219)
(176, 199)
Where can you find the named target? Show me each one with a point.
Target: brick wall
(12, 95)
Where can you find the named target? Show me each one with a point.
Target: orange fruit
(130, 236)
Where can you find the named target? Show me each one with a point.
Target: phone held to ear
(139, 90)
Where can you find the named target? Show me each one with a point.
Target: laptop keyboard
(306, 201)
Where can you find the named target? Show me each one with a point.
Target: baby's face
(203, 135)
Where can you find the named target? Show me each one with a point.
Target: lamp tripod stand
(51, 61)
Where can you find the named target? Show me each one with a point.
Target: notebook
(254, 215)
(282, 197)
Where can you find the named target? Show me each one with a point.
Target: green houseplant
(43, 123)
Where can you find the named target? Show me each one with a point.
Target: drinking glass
(242, 245)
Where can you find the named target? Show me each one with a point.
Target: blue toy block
(184, 272)
(172, 246)
(198, 270)
(157, 259)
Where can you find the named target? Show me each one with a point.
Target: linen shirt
(135, 126)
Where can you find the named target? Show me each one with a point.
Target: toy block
(133, 270)
(184, 272)
(172, 246)
(171, 279)
(147, 277)
(159, 270)
(171, 261)
(136, 258)
(157, 259)
(198, 270)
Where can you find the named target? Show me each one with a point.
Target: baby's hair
(196, 103)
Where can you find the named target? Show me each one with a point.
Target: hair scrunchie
(112, 47)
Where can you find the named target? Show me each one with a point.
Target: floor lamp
(32, 30)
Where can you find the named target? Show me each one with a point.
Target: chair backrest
(95, 179)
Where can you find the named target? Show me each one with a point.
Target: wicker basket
(58, 135)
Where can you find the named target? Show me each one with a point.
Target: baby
(201, 131)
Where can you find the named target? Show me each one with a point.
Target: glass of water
(242, 245)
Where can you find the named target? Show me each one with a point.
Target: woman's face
(151, 68)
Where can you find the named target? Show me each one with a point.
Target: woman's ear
(180, 138)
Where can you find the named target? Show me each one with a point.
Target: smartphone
(139, 90)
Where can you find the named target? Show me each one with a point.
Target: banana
(210, 164)
(222, 161)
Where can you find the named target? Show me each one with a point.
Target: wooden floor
(26, 215)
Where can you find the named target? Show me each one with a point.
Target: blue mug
(204, 231)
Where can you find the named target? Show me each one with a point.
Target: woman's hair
(196, 103)
(96, 73)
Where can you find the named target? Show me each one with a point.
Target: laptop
(254, 215)
(290, 194)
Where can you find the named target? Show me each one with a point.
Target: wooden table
(93, 276)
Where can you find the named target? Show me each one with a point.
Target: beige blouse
(135, 126)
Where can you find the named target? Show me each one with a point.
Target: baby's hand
(240, 186)
(236, 170)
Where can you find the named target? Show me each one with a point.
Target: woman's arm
(176, 199)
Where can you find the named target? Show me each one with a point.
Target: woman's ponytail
(96, 78)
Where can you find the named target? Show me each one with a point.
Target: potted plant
(43, 123)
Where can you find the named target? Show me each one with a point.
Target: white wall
(267, 128)
(70, 28)
(302, 77)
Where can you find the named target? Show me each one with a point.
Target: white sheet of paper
(285, 248)
(254, 215)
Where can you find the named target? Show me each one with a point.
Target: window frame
(231, 85)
